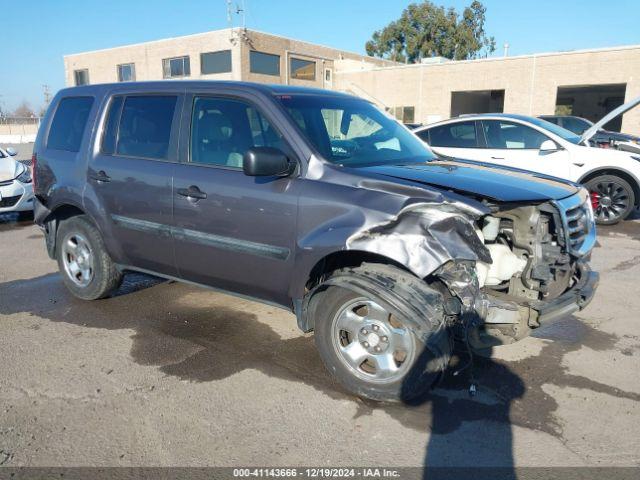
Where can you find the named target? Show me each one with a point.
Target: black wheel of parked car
(371, 351)
(87, 270)
(612, 198)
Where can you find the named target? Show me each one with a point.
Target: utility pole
(46, 92)
(229, 17)
(240, 11)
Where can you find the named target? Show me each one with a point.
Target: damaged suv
(317, 202)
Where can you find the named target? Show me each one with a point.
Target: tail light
(34, 160)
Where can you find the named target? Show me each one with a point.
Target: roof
(480, 116)
(230, 30)
(269, 89)
(503, 58)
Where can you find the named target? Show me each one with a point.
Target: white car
(16, 187)
(611, 176)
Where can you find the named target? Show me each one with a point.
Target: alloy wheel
(371, 342)
(610, 200)
(77, 259)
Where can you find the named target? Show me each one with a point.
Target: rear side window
(144, 127)
(455, 135)
(68, 124)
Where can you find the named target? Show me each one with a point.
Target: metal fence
(19, 125)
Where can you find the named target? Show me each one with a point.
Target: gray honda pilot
(317, 202)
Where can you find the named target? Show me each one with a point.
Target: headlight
(25, 176)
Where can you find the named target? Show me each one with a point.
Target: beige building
(586, 83)
(230, 54)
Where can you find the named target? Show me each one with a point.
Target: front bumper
(16, 197)
(508, 319)
(573, 300)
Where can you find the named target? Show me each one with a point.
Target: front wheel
(612, 199)
(371, 351)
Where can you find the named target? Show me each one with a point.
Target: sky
(36, 34)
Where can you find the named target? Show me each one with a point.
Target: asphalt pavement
(166, 374)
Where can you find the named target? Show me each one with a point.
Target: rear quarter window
(69, 123)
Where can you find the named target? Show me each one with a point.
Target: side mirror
(265, 162)
(11, 151)
(549, 146)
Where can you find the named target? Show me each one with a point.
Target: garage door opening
(479, 101)
(592, 102)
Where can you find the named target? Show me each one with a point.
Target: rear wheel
(86, 268)
(612, 198)
(374, 353)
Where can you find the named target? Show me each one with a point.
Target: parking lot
(169, 374)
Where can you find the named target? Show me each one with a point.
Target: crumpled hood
(497, 183)
(9, 169)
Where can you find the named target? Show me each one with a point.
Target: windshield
(353, 132)
(576, 124)
(555, 129)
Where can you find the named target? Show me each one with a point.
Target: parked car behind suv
(612, 177)
(16, 190)
(602, 138)
(316, 202)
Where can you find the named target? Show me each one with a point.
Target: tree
(24, 110)
(426, 30)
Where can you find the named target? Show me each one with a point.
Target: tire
(336, 331)
(618, 195)
(79, 243)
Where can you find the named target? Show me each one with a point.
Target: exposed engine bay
(532, 265)
(529, 257)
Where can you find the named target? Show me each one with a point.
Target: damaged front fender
(424, 236)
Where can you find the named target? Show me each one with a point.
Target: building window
(408, 115)
(264, 63)
(215, 62)
(127, 72)
(405, 114)
(302, 69)
(327, 75)
(81, 77)
(176, 67)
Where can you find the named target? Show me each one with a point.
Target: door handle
(497, 158)
(101, 177)
(193, 193)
